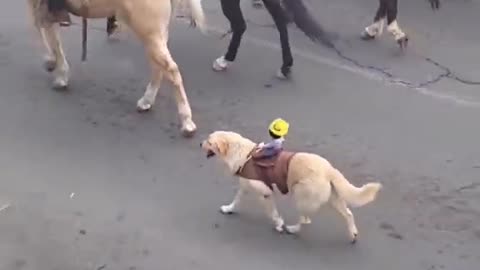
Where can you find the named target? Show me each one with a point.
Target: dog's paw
(226, 209)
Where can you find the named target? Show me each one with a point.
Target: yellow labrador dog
(311, 178)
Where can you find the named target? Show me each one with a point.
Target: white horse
(148, 19)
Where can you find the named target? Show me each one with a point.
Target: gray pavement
(92, 184)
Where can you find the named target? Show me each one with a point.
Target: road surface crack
(391, 78)
(449, 74)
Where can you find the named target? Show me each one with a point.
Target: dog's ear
(221, 145)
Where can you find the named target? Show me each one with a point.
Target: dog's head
(232, 148)
(218, 143)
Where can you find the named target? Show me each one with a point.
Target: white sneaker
(220, 64)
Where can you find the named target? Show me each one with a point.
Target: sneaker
(220, 64)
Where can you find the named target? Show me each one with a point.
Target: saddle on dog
(271, 170)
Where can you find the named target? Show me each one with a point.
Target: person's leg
(231, 10)
(280, 18)
(376, 28)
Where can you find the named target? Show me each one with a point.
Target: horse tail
(197, 14)
(305, 22)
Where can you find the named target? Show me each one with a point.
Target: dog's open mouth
(210, 154)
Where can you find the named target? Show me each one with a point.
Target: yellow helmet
(279, 127)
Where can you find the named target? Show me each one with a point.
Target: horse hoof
(50, 65)
(188, 133)
(60, 84)
(354, 238)
(188, 129)
(366, 36)
(403, 42)
(60, 87)
(292, 230)
(306, 220)
(280, 228)
(143, 105)
(112, 26)
(110, 33)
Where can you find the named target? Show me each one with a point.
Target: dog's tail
(351, 194)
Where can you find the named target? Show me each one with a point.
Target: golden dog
(311, 178)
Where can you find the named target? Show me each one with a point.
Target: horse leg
(50, 61)
(146, 102)
(150, 20)
(162, 62)
(393, 27)
(231, 10)
(280, 19)
(112, 25)
(55, 61)
(376, 28)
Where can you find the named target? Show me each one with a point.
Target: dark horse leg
(111, 25)
(392, 24)
(376, 28)
(387, 10)
(231, 10)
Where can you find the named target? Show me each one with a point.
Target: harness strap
(250, 155)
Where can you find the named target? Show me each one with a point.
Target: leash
(84, 39)
(84, 12)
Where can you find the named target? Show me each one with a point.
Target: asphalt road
(90, 184)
